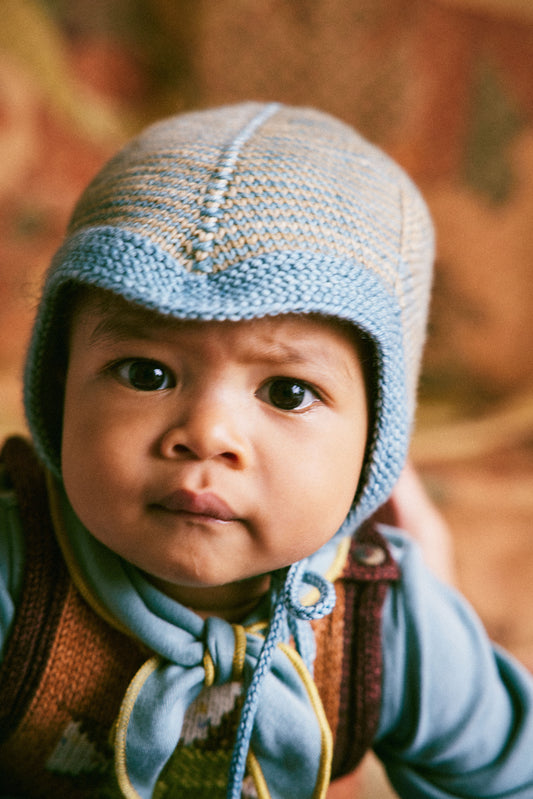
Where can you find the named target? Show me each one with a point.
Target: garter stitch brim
(252, 210)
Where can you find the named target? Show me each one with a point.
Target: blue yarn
(285, 590)
(296, 579)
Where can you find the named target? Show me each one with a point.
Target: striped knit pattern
(253, 210)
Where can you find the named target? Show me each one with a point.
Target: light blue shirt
(456, 717)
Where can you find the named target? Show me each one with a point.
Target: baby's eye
(143, 374)
(287, 394)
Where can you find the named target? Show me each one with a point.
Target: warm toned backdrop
(445, 86)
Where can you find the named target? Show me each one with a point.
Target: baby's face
(209, 453)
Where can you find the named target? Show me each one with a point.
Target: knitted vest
(65, 671)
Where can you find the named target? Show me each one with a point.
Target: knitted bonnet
(247, 211)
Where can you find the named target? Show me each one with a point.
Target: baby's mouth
(204, 504)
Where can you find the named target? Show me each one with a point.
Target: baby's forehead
(112, 318)
(113, 312)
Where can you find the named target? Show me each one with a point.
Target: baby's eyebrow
(124, 326)
(279, 352)
(112, 328)
(318, 356)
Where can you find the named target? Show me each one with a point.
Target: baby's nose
(205, 429)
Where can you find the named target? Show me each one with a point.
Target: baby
(195, 600)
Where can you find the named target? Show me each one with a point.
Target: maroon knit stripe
(43, 590)
(360, 700)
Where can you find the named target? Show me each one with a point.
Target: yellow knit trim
(209, 668)
(334, 571)
(339, 561)
(66, 548)
(240, 651)
(257, 775)
(324, 766)
(257, 628)
(126, 708)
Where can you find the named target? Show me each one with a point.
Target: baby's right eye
(288, 394)
(143, 374)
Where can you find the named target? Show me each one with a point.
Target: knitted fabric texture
(248, 211)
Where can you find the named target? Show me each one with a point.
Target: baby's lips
(200, 504)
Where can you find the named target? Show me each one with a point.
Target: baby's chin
(231, 601)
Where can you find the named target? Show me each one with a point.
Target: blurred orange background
(445, 86)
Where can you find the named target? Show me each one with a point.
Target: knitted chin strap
(287, 588)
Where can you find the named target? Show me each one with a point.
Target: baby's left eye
(143, 374)
(287, 394)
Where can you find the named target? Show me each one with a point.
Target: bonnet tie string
(287, 601)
